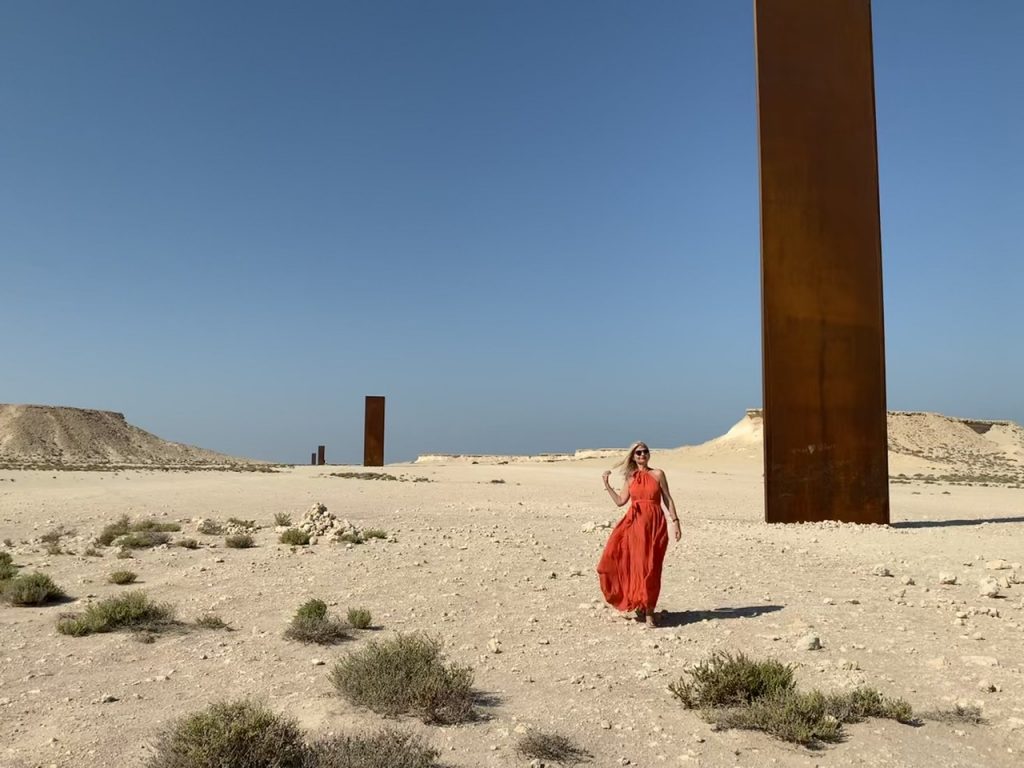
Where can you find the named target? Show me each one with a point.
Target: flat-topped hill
(54, 436)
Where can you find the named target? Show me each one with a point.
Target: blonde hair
(628, 464)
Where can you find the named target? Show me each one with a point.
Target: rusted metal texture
(373, 440)
(312, 458)
(320, 455)
(821, 264)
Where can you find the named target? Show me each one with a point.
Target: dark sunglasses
(642, 452)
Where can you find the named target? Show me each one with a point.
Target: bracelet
(675, 519)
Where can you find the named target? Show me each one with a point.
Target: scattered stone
(809, 643)
(107, 699)
(988, 588)
(907, 581)
(880, 570)
(997, 565)
(494, 645)
(318, 662)
(981, 661)
(947, 578)
(988, 687)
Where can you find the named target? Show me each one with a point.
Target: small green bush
(211, 621)
(239, 541)
(406, 674)
(550, 748)
(188, 543)
(359, 618)
(30, 589)
(312, 609)
(122, 577)
(113, 531)
(8, 570)
(295, 537)
(155, 526)
(374, 533)
(247, 525)
(124, 554)
(132, 610)
(727, 680)
(240, 734)
(54, 549)
(282, 518)
(351, 537)
(91, 551)
(144, 539)
(123, 526)
(386, 748)
(54, 536)
(800, 718)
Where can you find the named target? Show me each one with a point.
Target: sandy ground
(475, 560)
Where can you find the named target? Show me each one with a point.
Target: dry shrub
(295, 537)
(210, 528)
(359, 618)
(240, 734)
(960, 714)
(122, 577)
(550, 748)
(406, 674)
(123, 526)
(728, 680)
(30, 589)
(211, 621)
(188, 543)
(132, 610)
(8, 570)
(144, 539)
(282, 518)
(311, 624)
(239, 541)
(386, 748)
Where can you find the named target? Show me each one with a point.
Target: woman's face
(641, 454)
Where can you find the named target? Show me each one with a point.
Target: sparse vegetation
(246, 525)
(379, 476)
(295, 537)
(211, 621)
(122, 577)
(359, 618)
(143, 530)
(30, 589)
(210, 528)
(8, 543)
(282, 518)
(239, 541)
(54, 536)
(550, 748)
(8, 570)
(406, 674)
(188, 543)
(960, 714)
(132, 610)
(311, 624)
(351, 537)
(733, 691)
(144, 539)
(124, 554)
(91, 551)
(374, 533)
(54, 549)
(386, 748)
(239, 734)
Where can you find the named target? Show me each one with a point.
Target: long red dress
(630, 568)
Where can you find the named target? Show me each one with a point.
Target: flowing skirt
(630, 567)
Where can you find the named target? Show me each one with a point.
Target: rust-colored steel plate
(373, 440)
(821, 264)
(321, 455)
(312, 458)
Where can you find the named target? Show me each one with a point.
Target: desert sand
(498, 554)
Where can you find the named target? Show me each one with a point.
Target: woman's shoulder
(657, 473)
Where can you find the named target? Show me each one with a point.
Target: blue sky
(532, 226)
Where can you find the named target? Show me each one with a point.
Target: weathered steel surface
(821, 264)
(373, 440)
(320, 455)
(312, 458)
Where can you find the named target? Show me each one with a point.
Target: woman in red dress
(630, 568)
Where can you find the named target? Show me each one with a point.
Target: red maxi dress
(630, 568)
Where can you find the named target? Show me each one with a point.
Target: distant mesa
(45, 436)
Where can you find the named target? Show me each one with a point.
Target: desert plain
(495, 556)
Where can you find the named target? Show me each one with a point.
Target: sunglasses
(641, 452)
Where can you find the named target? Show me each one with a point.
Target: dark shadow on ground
(954, 523)
(681, 618)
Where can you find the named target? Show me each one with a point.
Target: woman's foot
(649, 621)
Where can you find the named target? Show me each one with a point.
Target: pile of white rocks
(318, 522)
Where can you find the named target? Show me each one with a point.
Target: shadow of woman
(682, 618)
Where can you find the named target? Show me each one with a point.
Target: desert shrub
(282, 518)
(960, 714)
(733, 691)
(385, 748)
(132, 610)
(247, 525)
(154, 525)
(239, 541)
(351, 537)
(375, 533)
(727, 680)
(211, 621)
(312, 609)
(123, 526)
(550, 748)
(8, 543)
(241, 734)
(8, 570)
(30, 589)
(54, 549)
(210, 528)
(122, 577)
(295, 537)
(124, 554)
(406, 674)
(188, 543)
(91, 551)
(359, 618)
(55, 535)
(144, 539)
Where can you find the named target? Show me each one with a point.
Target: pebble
(809, 643)
(880, 570)
(947, 578)
(989, 588)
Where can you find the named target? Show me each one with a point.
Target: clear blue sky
(533, 226)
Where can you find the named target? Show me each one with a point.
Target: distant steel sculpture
(821, 264)
(321, 458)
(373, 435)
(312, 458)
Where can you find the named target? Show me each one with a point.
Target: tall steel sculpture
(373, 433)
(321, 455)
(821, 264)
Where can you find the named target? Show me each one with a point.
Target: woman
(630, 568)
